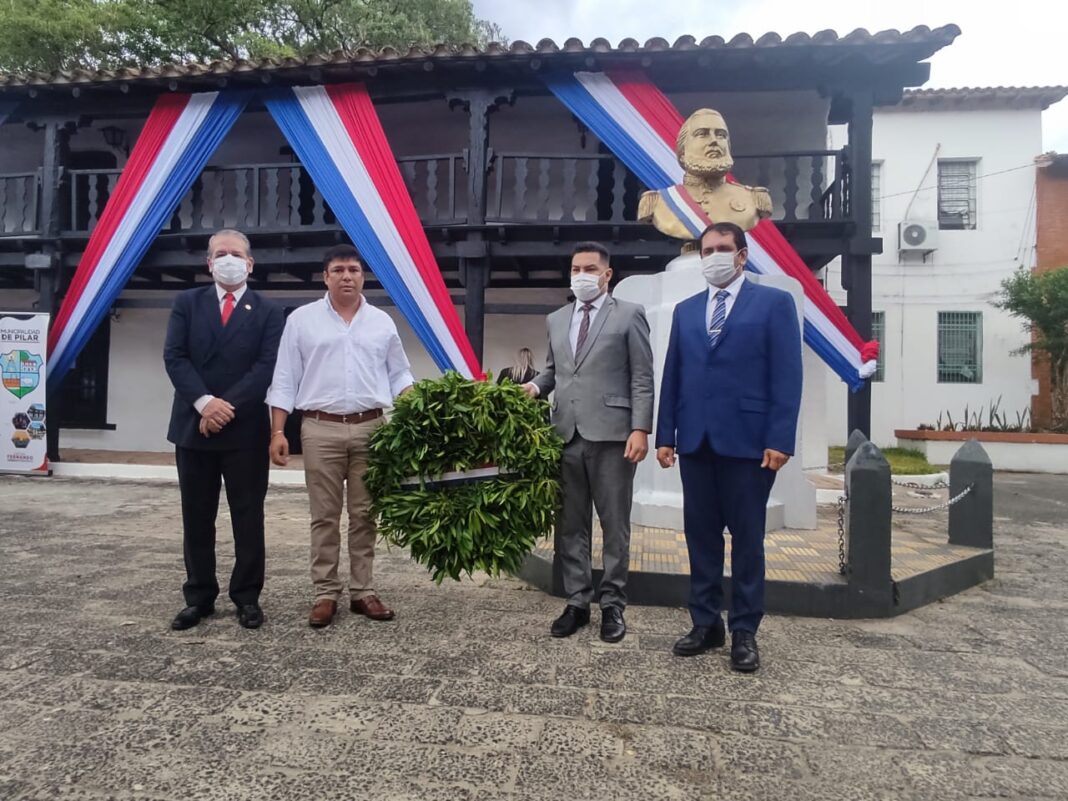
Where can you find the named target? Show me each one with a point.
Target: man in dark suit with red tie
(221, 345)
(729, 401)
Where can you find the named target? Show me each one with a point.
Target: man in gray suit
(600, 365)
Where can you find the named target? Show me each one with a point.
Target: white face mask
(718, 268)
(586, 286)
(229, 270)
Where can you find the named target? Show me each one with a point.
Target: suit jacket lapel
(738, 310)
(559, 330)
(595, 328)
(699, 310)
(210, 300)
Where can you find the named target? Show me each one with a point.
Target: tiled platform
(792, 555)
(802, 565)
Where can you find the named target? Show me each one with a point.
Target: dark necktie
(227, 307)
(584, 327)
(719, 317)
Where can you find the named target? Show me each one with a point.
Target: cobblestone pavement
(465, 696)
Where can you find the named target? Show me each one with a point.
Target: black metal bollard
(868, 527)
(971, 519)
(856, 439)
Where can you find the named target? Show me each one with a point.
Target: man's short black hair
(725, 228)
(591, 247)
(341, 253)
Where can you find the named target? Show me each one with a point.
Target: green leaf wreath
(453, 424)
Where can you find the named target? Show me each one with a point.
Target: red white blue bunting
(639, 124)
(179, 137)
(337, 135)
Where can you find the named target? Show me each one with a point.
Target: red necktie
(227, 307)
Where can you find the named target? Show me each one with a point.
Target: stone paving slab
(465, 696)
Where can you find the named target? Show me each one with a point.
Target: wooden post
(474, 252)
(856, 262)
(48, 278)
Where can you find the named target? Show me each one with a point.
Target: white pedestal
(658, 492)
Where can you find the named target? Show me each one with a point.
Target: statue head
(704, 144)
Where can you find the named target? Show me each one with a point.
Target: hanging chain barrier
(903, 510)
(923, 510)
(841, 534)
(916, 485)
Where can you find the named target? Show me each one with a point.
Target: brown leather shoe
(372, 607)
(322, 614)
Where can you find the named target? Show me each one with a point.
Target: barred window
(876, 196)
(956, 195)
(878, 333)
(960, 347)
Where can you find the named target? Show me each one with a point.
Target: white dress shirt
(576, 318)
(327, 365)
(733, 288)
(202, 401)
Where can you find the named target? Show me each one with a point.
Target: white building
(955, 166)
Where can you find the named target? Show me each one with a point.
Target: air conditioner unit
(917, 236)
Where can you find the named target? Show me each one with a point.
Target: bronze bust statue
(704, 152)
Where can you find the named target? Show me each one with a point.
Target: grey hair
(230, 232)
(684, 131)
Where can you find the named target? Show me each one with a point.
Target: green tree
(1041, 300)
(50, 35)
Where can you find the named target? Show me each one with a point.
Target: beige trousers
(335, 461)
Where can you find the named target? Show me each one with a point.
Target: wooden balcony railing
(523, 188)
(18, 203)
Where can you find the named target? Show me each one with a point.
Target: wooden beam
(856, 267)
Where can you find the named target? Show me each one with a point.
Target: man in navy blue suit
(221, 345)
(729, 402)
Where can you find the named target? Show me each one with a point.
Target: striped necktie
(584, 328)
(719, 317)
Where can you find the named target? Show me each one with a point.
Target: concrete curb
(148, 472)
(828, 497)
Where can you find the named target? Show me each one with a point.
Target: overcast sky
(1019, 44)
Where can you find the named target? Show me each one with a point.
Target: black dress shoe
(613, 629)
(570, 621)
(701, 639)
(190, 616)
(744, 654)
(250, 616)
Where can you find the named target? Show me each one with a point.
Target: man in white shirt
(220, 350)
(341, 363)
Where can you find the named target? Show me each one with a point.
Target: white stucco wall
(963, 274)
